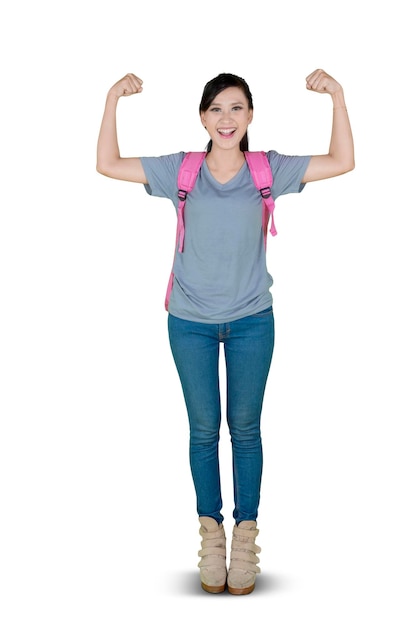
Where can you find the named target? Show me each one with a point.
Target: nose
(226, 117)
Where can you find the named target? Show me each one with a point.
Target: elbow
(347, 166)
(349, 160)
(101, 168)
(350, 166)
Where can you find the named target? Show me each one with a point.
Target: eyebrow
(232, 103)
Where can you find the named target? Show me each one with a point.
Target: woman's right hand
(127, 86)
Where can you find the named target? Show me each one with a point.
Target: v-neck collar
(231, 180)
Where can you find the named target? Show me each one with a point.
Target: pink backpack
(262, 177)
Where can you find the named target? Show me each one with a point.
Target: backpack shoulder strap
(262, 177)
(188, 171)
(187, 175)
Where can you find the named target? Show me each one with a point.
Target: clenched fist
(127, 86)
(321, 82)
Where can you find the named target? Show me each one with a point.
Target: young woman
(221, 294)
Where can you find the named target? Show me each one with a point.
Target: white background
(98, 522)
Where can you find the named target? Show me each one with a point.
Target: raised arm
(340, 158)
(109, 161)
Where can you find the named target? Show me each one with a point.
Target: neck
(225, 159)
(224, 164)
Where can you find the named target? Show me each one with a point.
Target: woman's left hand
(321, 82)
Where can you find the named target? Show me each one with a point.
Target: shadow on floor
(188, 583)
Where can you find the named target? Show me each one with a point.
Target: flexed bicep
(109, 161)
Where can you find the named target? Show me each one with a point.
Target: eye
(215, 109)
(237, 108)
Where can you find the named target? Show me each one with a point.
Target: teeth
(227, 131)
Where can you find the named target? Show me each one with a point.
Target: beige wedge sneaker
(243, 559)
(213, 555)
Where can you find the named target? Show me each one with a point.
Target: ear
(250, 116)
(203, 119)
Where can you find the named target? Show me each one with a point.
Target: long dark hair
(214, 87)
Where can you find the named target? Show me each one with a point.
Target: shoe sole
(241, 592)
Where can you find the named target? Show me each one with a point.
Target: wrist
(111, 101)
(338, 99)
(112, 95)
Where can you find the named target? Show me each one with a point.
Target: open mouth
(226, 132)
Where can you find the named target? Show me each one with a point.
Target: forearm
(341, 147)
(107, 146)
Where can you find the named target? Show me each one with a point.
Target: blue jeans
(248, 348)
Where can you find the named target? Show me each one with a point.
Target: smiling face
(227, 118)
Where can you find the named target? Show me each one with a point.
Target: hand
(127, 86)
(321, 82)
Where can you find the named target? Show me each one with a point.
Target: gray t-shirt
(221, 275)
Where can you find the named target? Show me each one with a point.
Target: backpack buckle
(265, 192)
(182, 194)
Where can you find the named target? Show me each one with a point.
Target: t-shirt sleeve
(287, 172)
(161, 173)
